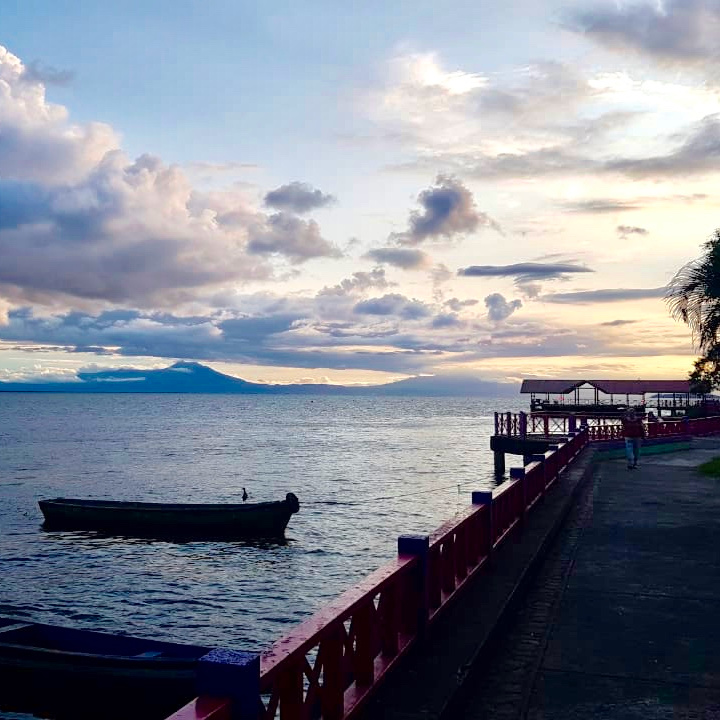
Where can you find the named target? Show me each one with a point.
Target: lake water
(365, 470)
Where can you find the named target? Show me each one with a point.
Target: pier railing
(522, 424)
(331, 663)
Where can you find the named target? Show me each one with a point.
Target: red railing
(519, 425)
(330, 664)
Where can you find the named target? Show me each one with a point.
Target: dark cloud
(292, 332)
(524, 271)
(684, 31)
(405, 258)
(37, 73)
(298, 197)
(253, 329)
(446, 320)
(394, 305)
(625, 231)
(448, 210)
(584, 297)
(499, 308)
(284, 234)
(127, 232)
(618, 323)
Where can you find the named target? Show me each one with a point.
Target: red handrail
(329, 665)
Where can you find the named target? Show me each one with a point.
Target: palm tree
(694, 297)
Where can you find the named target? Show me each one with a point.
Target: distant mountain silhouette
(193, 377)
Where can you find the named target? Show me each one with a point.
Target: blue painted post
(419, 546)
(232, 674)
(572, 424)
(518, 473)
(485, 497)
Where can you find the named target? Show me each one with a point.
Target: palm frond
(693, 295)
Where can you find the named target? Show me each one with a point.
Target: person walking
(633, 432)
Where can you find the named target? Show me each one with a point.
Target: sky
(354, 192)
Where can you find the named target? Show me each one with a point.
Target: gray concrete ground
(623, 619)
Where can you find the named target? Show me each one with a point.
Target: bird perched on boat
(244, 495)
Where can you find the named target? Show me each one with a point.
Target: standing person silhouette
(633, 432)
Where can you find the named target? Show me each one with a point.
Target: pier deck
(622, 620)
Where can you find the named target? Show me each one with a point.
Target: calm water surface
(365, 470)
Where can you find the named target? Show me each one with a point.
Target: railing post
(518, 473)
(523, 425)
(546, 425)
(540, 457)
(234, 675)
(572, 424)
(497, 424)
(417, 545)
(508, 420)
(485, 497)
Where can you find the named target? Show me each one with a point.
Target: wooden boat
(66, 673)
(206, 521)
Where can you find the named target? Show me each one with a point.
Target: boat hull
(66, 673)
(192, 521)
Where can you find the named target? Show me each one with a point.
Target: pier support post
(499, 458)
(234, 675)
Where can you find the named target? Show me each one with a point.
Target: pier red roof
(554, 387)
(610, 387)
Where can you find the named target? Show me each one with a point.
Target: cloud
(698, 154)
(598, 206)
(395, 305)
(37, 143)
(618, 323)
(448, 210)
(499, 308)
(405, 258)
(457, 305)
(524, 271)
(681, 31)
(82, 223)
(446, 320)
(297, 197)
(584, 297)
(298, 240)
(127, 232)
(360, 282)
(440, 274)
(214, 168)
(547, 119)
(625, 231)
(35, 73)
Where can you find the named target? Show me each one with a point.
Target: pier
(413, 640)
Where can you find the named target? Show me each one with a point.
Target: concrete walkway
(623, 619)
